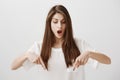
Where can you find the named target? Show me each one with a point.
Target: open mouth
(59, 31)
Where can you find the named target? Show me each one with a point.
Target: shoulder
(82, 44)
(37, 43)
(79, 41)
(36, 46)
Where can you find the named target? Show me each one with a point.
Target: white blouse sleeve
(33, 50)
(84, 46)
(87, 47)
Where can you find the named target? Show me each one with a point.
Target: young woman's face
(58, 25)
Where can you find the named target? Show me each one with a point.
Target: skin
(58, 23)
(31, 57)
(83, 58)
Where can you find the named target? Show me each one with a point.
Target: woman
(60, 53)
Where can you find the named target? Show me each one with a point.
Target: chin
(59, 37)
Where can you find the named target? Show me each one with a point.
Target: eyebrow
(58, 19)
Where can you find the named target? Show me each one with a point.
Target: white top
(56, 63)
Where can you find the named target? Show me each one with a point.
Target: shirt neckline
(56, 49)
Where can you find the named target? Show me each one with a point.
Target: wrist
(26, 56)
(90, 54)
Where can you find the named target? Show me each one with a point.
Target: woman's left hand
(81, 60)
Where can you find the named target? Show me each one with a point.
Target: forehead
(58, 16)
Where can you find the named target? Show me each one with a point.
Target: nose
(59, 24)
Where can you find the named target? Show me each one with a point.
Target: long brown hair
(69, 46)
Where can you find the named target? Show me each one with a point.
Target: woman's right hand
(34, 58)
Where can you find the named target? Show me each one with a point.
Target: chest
(57, 60)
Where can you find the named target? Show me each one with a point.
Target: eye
(54, 21)
(64, 21)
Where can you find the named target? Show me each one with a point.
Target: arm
(83, 58)
(102, 58)
(18, 62)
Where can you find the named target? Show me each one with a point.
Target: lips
(59, 31)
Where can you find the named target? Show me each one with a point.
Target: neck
(58, 43)
(59, 40)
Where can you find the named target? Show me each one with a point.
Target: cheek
(64, 27)
(53, 28)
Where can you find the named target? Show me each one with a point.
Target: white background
(22, 22)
